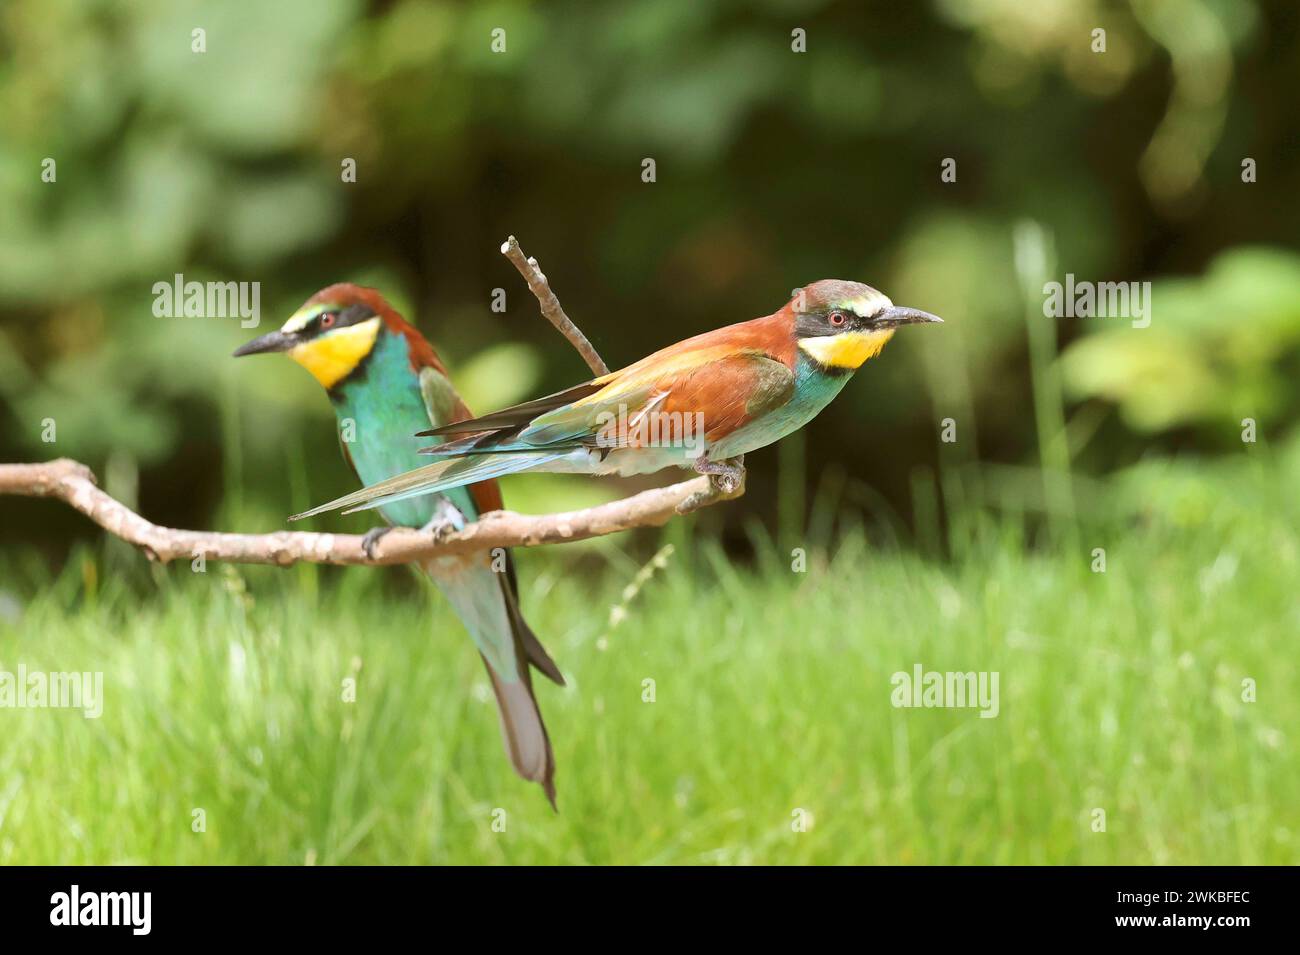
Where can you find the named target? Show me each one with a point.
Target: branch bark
(74, 484)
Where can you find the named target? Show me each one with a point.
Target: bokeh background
(773, 168)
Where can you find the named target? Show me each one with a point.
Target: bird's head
(839, 325)
(331, 335)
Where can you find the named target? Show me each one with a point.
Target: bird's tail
(527, 743)
(440, 476)
(486, 602)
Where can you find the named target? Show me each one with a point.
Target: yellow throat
(846, 350)
(332, 357)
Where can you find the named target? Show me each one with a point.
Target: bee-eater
(702, 403)
(386, 382)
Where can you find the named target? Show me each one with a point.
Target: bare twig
(73, 483)
(551, 307)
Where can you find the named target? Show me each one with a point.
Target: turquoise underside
(385, 403)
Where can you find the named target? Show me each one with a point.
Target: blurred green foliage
(774, 168)
(1220, 347)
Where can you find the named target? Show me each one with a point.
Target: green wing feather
(440, 398)
(444, 406)
(580, 422)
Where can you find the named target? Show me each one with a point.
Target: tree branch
(74, 484)
(551, 307)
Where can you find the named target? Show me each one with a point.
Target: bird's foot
(446, 520)
(372, 538)
(725, 479)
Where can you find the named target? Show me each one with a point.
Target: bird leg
(372, 538)
(725, 478)
(446, 520)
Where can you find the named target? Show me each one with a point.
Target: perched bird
(386, 382)
(702, 403)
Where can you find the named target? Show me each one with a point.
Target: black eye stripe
(821, 323)
(332, 318)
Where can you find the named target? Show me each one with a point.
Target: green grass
(1119, 690)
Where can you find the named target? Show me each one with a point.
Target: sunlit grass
(1120, 691)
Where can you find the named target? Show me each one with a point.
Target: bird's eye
(837, 319)
(327, 319)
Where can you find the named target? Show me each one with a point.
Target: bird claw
(446, 521)
(439, 530)
(371, 539)
(725, 479)
(727, 482)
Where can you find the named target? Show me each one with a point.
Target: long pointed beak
(897, 315)
(271, 341)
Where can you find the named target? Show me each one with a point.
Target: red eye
(327, 319)
(837, 319)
